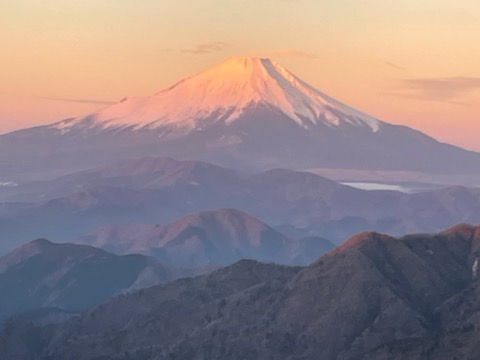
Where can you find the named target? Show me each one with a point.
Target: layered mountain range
(243, 113)
(57, 279)
(376, 297)
(151, 193)
(207, 173)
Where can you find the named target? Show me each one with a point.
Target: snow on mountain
(222, 93)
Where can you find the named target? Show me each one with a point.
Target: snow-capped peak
(223, 92)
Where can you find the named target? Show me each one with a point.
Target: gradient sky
(412, 62)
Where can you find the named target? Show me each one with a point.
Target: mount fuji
(244, 112)
(223, 95)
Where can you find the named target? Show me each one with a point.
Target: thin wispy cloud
(290, 53)
(79, 101)
(448, 89)
(207, 48)
(393, 65)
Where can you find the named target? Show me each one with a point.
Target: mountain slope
(376, 297)
(71, 277)
(247, 112)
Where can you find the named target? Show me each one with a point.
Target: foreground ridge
(377, 298)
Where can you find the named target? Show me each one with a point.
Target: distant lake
(405, 188)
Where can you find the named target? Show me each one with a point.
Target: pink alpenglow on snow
(223, 92)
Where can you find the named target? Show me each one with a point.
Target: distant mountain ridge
(244, 113)
(206, 238)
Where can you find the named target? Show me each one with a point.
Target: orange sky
(406, 62)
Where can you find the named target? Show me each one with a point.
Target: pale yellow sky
(406, 62)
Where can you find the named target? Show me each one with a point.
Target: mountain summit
(245, 113)
(222, 94)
